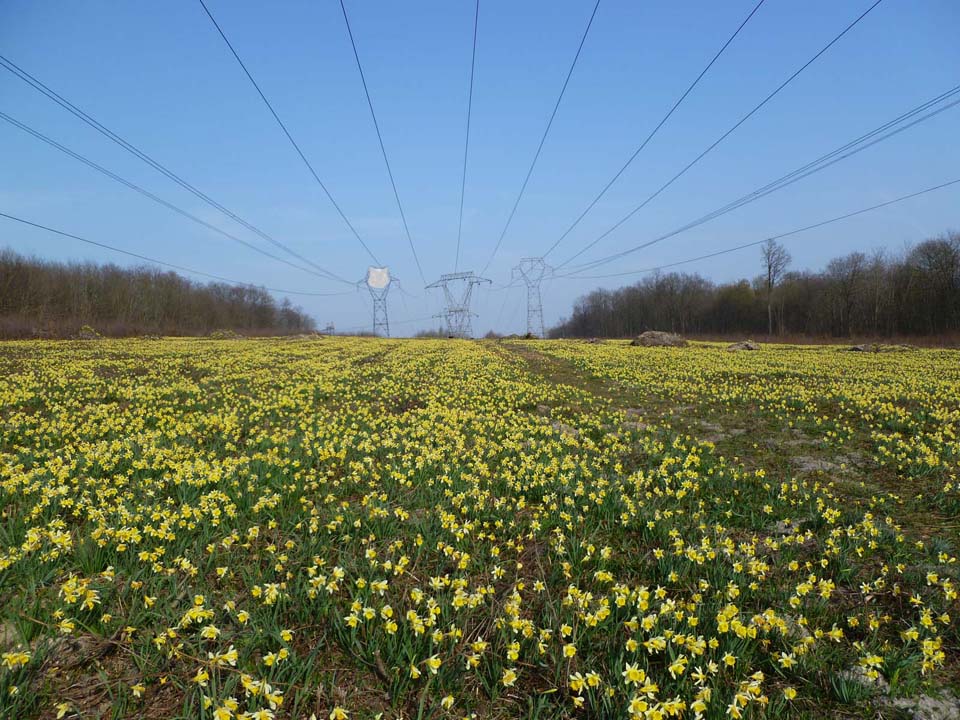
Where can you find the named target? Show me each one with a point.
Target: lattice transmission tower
(457, 295)
(532, 271)
(378, 282)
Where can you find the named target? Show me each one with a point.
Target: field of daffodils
(362, 528)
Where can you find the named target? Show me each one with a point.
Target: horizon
(888, 255)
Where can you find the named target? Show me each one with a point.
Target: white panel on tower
(378, 278)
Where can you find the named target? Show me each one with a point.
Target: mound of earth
(88, 333)
(743, 345)
(658, 338)
(878, 348)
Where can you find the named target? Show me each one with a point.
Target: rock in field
(657, 338)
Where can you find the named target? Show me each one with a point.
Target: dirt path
(759, 441)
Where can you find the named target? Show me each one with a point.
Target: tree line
(912, 293)
(40, 298)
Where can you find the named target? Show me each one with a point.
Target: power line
(653, 132)
(839, 154)
(146, 193)
(43, 89)
(772, 237)
(505, 299)
(723, 137)
(543, 139)
(383, 148)
(466, 143)
(163, 263)
(358, 328)
(404, 291)
(514, 312)
(286, 132)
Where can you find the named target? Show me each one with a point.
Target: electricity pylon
(378, 282)
(457, 293)
(532, 271)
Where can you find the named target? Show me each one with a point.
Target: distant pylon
(532, 271)
(457, 293)
(378, 282)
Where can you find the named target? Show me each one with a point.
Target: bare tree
(913, 292)
(846, 275)
(775, 262)
(878, 281)
(39, 297)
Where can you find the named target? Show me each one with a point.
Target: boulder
(744, 345)
(657, 338)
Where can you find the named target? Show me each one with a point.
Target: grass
(371, 528)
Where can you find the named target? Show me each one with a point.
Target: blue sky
(158, 74)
